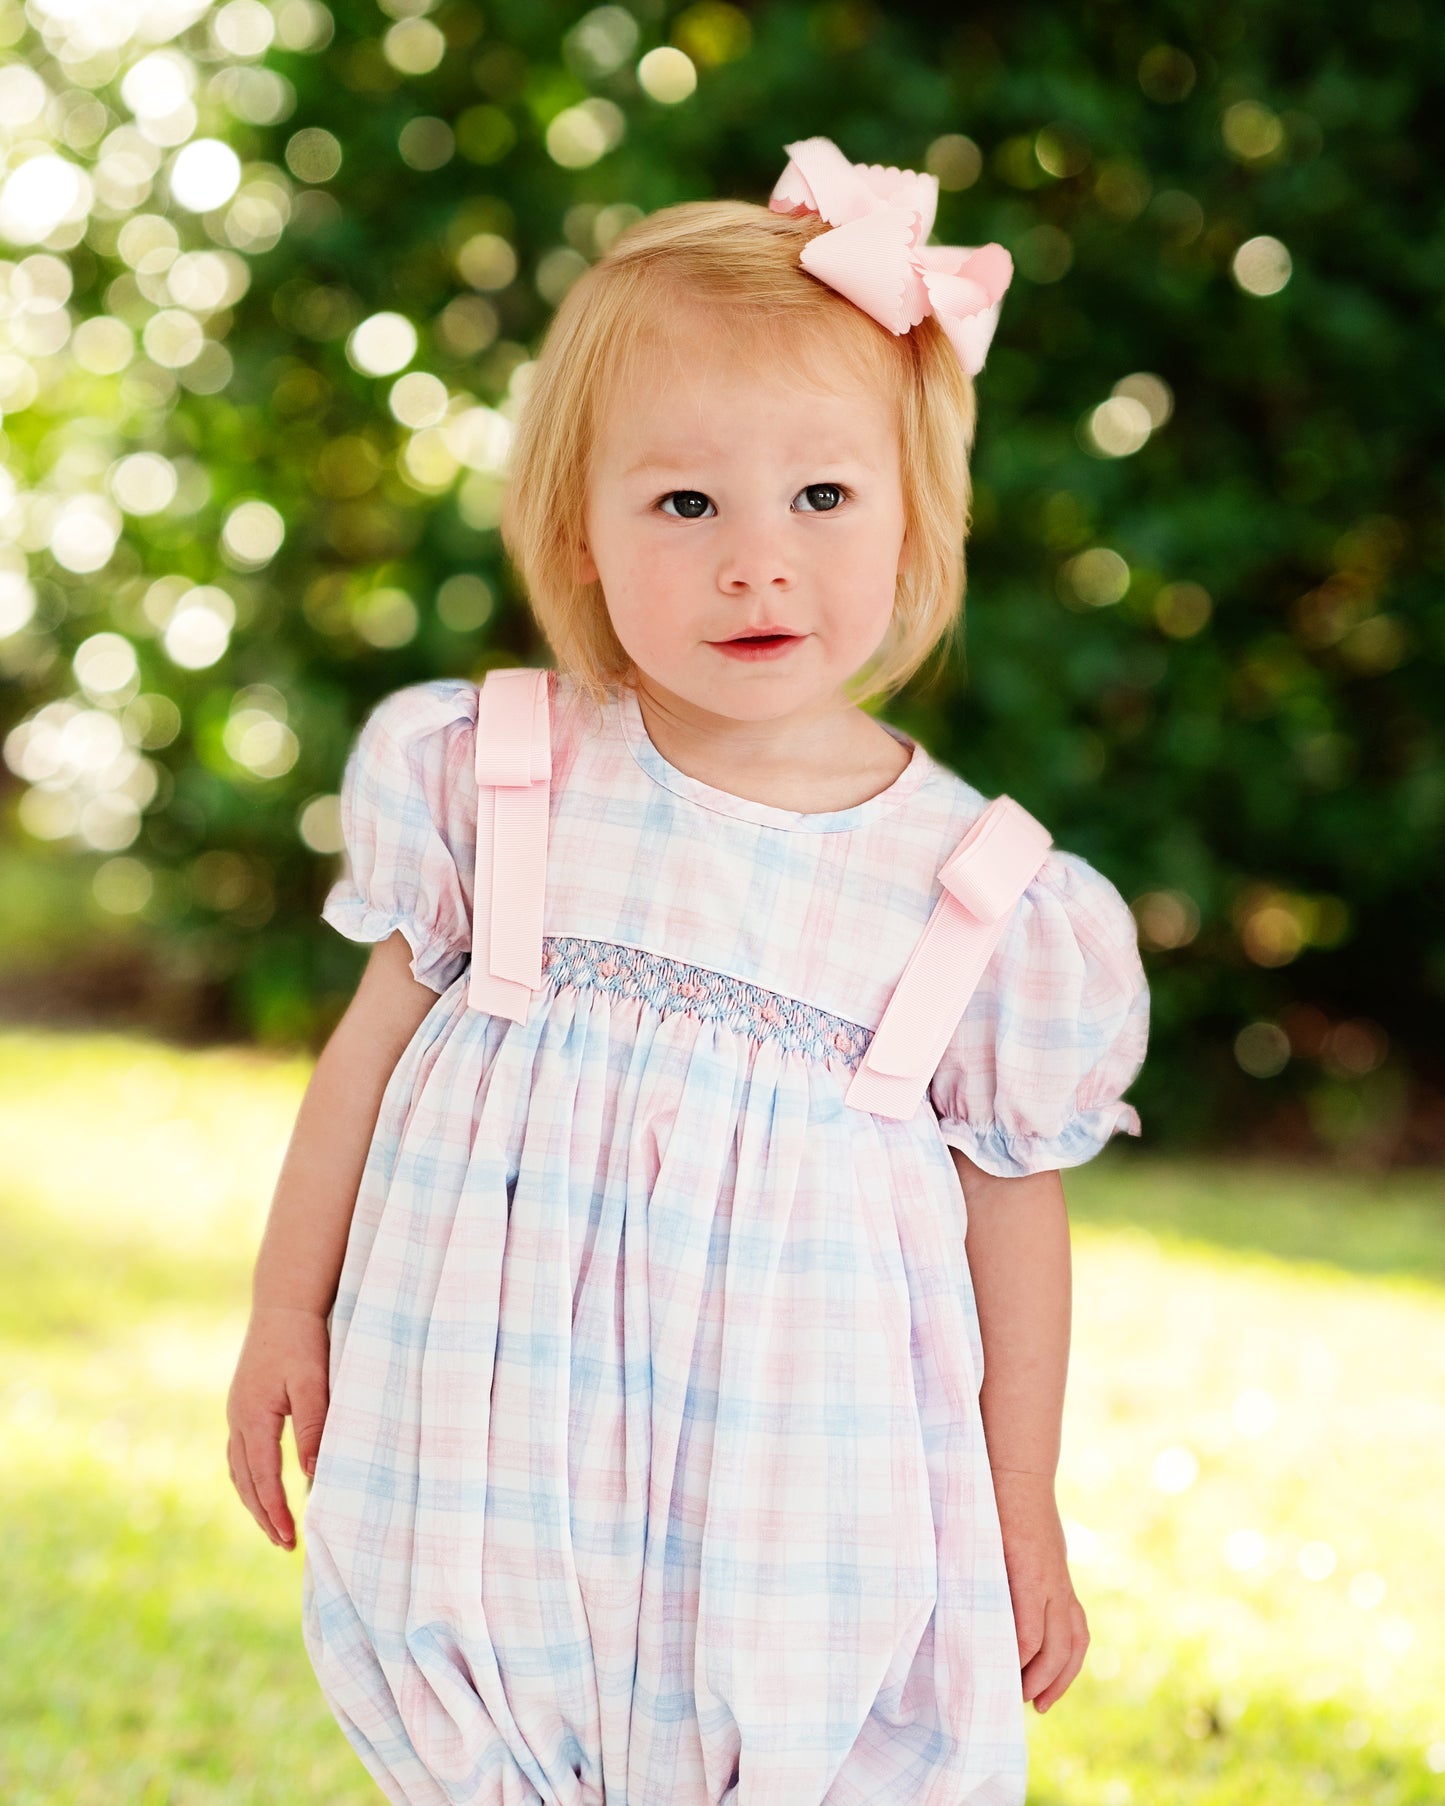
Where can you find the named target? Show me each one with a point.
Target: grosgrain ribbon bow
(876, 254)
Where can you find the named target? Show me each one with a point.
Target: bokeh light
(1262, 1049)
(579, 135)
(955, 160)
(1262, 266)
(1117, 427)
(418, 399)
(1251, 131)
(1167, 74)
(143, 482)
(257, 735)
(414, 46)
(481, 438)
(83, 532)
(41, 194)
(106, 664)
(386, 617)
(102, 345)
(426, 143)
(1182, 609)
(557, 270)
(487, 261)
(484, 133)
(205, 174)
(1166, 919)
(313, 154)
(243, 28)
(1246, 1549)
(151, 720)
(1044, 254)
(1062, 150)
(382, 345)
(1175, 1469)
(198, 630)
(252, 535)
(17, 601)
(22, 96)
(601, 41)
(465, 602)
(1152, 392)
(667, 75)
(85, 780)
(1098, 577)
(123, 885)
(303, 25)
(712, 32)
(318, 824)
(158, 86)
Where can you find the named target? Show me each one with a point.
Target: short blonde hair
(739, 261)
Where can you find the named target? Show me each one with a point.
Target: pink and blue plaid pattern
(653, 1471)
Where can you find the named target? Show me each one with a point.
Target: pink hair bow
(876, 255)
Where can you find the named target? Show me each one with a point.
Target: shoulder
(420, 709)
(1067, 896)
(1055, 1030)
(420, 737)
(411, 765)
(1092, 901)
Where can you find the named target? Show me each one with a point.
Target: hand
(283, 1368)
(1052, 1631)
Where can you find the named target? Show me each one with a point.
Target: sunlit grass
(1251, 1479)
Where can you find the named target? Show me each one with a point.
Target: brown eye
(823, 498)
(691, 503)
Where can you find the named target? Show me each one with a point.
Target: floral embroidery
(671, 985)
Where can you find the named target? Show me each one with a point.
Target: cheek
(648, 570)
(863, 562)
(646, 585)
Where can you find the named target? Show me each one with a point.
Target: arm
(284, 1359)
(304, 1242)
(1018, 1254)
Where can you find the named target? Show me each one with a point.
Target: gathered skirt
(653, 1472)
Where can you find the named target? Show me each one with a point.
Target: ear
(587, 571)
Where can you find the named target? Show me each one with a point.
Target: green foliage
(1204, 636)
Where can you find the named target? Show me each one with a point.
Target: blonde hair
(739, 261)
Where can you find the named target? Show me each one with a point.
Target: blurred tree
(270, 293)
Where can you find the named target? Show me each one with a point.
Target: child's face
(723, 498)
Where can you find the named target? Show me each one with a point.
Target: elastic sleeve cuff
(1008, 1156)
(433, 963)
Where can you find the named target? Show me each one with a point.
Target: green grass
(1251, 1479)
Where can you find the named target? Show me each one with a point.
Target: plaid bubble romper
(653, 1472)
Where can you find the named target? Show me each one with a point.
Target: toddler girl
(620, 1245)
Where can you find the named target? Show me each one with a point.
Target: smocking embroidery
(671, 985)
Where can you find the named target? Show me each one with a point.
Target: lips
(757, 648)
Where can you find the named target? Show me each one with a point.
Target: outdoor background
(271, 280)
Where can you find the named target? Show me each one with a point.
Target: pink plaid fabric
(653, 1472)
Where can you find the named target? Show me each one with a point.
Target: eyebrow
(671, 460)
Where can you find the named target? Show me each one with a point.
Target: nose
(754, 559)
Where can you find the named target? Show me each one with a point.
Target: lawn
(1252, 1477)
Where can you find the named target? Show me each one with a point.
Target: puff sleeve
(408, 815)
(1033, 1076)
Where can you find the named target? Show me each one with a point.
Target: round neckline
(742, 808)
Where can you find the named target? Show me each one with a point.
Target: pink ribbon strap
(983, 878)
(878, 255)
(514, 774)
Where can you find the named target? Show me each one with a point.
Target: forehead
(687, 378)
